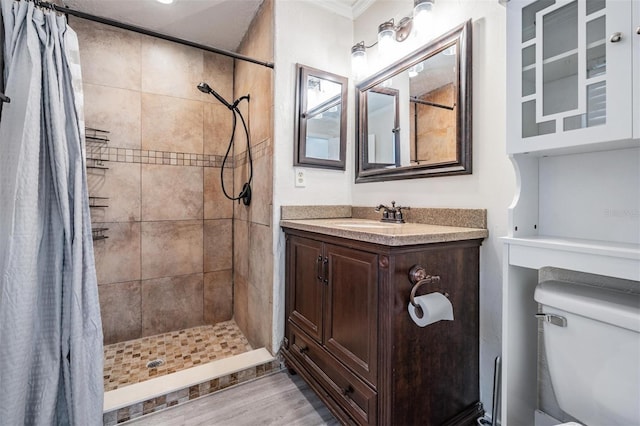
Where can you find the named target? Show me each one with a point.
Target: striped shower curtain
(50, 328)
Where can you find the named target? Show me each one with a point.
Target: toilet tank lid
(600, 303)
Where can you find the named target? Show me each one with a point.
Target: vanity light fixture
(389, 32)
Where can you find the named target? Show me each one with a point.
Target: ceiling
(216, 23)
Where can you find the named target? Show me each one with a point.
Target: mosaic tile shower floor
(125, 363)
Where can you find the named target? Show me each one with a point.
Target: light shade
(421, 16)
(359, 60)
(386, 38)
(165, 1)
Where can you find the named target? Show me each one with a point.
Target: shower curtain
(50, 328)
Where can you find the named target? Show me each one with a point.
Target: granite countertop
(389, 234)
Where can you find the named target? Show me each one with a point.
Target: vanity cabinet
(570, 69)
(349, 335)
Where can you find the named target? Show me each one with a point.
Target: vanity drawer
(356, 397)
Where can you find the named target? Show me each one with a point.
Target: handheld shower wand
(205, 88)
(245, 194)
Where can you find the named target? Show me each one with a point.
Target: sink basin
(372, 225)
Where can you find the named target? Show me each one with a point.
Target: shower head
(205, 88)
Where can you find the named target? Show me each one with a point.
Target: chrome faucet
(392, 214)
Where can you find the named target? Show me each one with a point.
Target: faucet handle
(399, 215)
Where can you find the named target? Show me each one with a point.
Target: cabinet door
(352, 309)
(568, 76)
(305, 287)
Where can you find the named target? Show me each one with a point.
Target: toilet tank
(593, 356)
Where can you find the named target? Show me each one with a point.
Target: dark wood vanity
(349, 335)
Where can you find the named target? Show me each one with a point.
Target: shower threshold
(185, 379)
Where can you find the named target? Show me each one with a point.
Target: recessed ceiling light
(165, 1)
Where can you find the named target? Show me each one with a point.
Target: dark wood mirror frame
(459, 36)
(300, 146)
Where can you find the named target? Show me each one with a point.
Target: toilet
(592, 344)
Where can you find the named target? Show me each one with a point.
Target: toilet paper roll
(435, 307)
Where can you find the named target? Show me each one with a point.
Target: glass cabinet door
(570, 65)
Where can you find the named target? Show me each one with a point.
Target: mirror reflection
(321, 119)
(382, 119)
(432, 118)
(414, 117)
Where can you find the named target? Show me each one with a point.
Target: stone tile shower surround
(252, 250)
(167, 262)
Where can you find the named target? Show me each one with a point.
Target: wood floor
(278, 399)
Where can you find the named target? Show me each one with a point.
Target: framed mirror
(429, 132)
(321, 121)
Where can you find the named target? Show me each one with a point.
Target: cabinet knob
(615, 37)
(303, 350)
(638, 30)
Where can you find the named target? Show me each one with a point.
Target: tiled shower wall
(253, 252)
(437, 138)
(167, 262)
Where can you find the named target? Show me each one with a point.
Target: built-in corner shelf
(620, 260)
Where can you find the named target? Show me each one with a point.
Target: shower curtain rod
(140, 30)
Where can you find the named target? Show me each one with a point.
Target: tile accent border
(98, 154)
(189, 393)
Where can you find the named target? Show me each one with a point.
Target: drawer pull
(303, 350)
(347, 391)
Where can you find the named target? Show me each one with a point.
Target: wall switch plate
(301, 180)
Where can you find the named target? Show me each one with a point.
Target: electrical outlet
(301, 181)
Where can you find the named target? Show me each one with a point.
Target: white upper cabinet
(571, 74)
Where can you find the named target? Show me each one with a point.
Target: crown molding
(342, 9)
(360, 6)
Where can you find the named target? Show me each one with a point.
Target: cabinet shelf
(621, 260)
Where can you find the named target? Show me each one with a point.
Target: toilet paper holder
(418, 277)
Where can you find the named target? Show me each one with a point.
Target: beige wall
(253, 255)
(167, 262)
